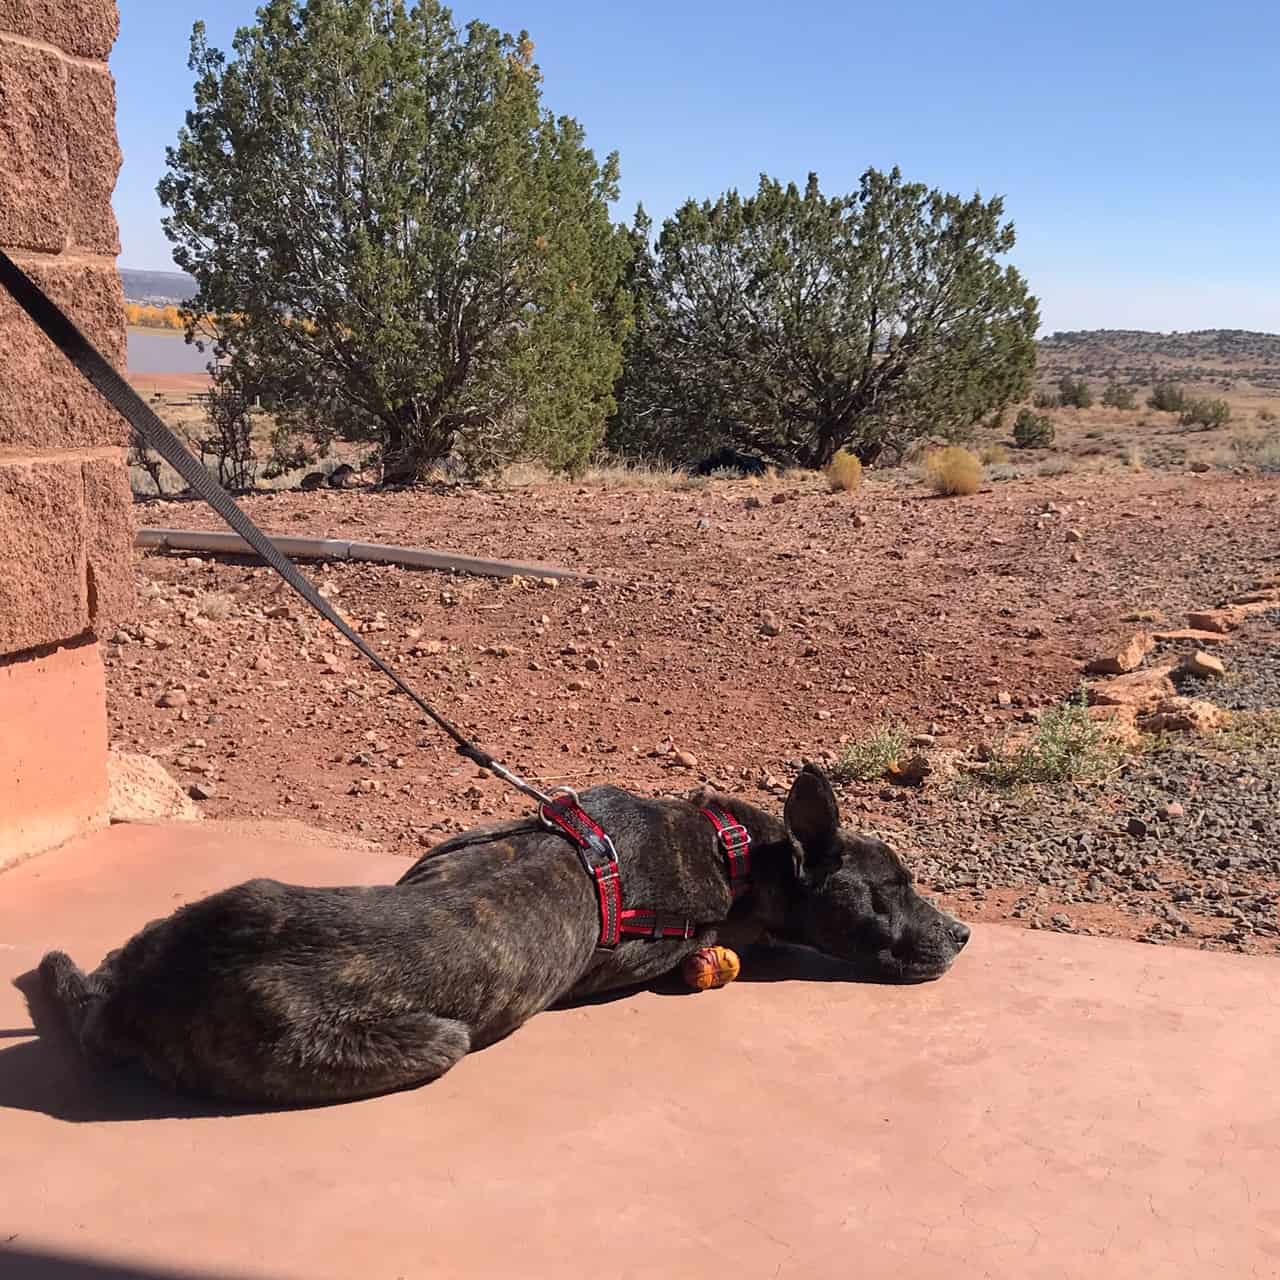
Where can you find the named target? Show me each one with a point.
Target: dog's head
(855, 898)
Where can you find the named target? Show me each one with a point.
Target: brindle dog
(270, 992)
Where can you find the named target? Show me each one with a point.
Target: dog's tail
(69, 987)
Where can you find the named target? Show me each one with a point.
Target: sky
(1136, 144)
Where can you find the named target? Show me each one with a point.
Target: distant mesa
(157, 288)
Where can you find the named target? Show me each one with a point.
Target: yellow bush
(953, 471)
(844, 472)
(994, 454)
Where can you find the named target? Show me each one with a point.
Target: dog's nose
(959, 933)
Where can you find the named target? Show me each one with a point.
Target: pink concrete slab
(1055, 1107)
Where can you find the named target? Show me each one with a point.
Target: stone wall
(65, 509)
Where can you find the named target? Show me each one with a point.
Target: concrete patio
(1056, 1107)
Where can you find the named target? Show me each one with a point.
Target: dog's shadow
(765, 962)
(50, 1075)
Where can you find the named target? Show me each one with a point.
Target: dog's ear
(813, 819)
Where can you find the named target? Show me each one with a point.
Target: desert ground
(733, 630)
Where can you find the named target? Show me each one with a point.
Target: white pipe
(337, 549)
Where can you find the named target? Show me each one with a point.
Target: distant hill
(161, 288)
(1215, 356)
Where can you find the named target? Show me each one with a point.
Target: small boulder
(140, 789)
(1128, 657)
(1142, 690)
(1184, 715)
(1203, 665)
(1217, 620)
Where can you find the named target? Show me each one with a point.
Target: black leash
(64, 334)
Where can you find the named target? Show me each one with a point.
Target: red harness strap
(598, 856)
(600, 859)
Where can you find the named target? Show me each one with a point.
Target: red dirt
(926, 614)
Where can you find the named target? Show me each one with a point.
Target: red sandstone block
(53, 749)
(45, 402)
(84, 28)
(33, 148)
(94, 160)
(42, 589)
(108, 510)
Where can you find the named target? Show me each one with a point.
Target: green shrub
(1205, 413)
(1067, 747)
(1168, 397)
(1032, 430)
(870, 758)
(1118, 397)
(1074, 393)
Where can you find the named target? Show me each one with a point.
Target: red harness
(600, 858)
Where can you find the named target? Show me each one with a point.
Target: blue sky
(1137, 144)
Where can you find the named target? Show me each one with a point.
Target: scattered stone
(1141, 690)
(924, 740)
(1074, 535)
(686, 759)
(202, 790)
(752, 503)
(1004, 699)
(1136, 827)
(1204, 665)
(1120, 723)
(1217, 620)
(1171, 810)
(1125, 659)
(1200, 467)
(1189, 634)
(172, 698)
(771, 625)
(1184, 715)
(141, 790)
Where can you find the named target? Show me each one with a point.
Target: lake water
(158, 352)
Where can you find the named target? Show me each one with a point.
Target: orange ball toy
(711, 967)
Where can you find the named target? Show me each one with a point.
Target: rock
(343, 477)
(686, 759)
(858, 520)
(1218, 620)
(924, 740)
(1141, 690)
(770, 625)
(752, 503)
(312, 480)
(1004, 699)
(1200, 467)
(1128, 657)
(1120, 723)
(1189, 634)
(1171, 810)
(1203, 665)
(202, 791)
(172, 698)
(1074, 535)
(593, 664)
(1183, 715)
(911, 772)
(141, 790)
(1136, 827)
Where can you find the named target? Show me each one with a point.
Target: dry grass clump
(994, 455)
(954, 471)
(844, 472)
